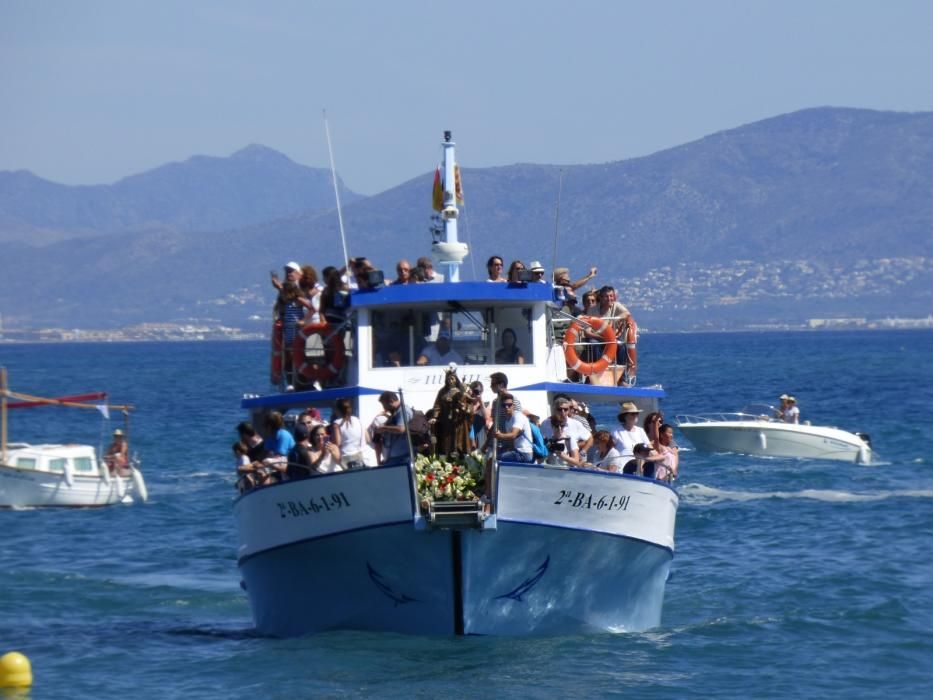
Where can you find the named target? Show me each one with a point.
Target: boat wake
(700, 495)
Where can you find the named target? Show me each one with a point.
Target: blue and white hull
(569, 552)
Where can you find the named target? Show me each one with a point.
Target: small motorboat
(67, 475)
(756, 431)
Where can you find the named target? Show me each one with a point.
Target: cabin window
(57, 465)
(84, 465)
(26, 462)
(513, 336)
(405, 338)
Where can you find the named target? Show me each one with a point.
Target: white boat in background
(553, 551)
(755, 431)
(59, 475)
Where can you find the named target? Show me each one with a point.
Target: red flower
(429, 477)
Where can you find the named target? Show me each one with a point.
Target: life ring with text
(277, 356)
(602, 328)
(335, 354)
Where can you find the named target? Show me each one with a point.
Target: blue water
(791, 579)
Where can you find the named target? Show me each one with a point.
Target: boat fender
(69, 473)
(104, 471)
(762, 441)
(139, 486)
(603, 329)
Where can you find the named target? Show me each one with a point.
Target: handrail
(723, 417)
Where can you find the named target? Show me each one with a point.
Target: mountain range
(822, 212)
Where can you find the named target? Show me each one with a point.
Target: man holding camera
(561, 435)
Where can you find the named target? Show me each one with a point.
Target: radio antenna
(333, 174)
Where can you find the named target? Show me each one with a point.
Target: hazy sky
(94, 90)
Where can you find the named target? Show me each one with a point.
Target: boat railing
(721, 418)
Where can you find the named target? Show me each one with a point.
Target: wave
(700, 495)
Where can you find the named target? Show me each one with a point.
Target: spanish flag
(437, 195)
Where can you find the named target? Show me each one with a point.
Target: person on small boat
(514, 434)
(779, 413)
(563, 435)
(629, 433)
(440, 352)
(117, 455)
(509, 353)
(791, 412)
(603, 454)
(494, 268)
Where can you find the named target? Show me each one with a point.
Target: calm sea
(791, 579)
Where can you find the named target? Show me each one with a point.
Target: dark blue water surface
(791, 579)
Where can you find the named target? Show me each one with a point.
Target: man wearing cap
(537, 272)
(629, 433)
(779, 413)
(117, 456)
(791, 412)
(440, 352)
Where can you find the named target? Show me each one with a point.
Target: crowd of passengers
(304, 299)
(568, 438)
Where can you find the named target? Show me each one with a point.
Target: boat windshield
(440, 335)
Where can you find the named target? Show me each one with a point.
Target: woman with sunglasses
(494, 268)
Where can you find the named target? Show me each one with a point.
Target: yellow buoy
(15, 671)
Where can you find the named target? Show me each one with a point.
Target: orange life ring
(335, 352)
(603, 329)
(277, 356)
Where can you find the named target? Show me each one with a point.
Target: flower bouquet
(441, 478)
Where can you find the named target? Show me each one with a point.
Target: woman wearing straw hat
(117, 455)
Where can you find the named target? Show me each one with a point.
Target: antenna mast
(333, 174)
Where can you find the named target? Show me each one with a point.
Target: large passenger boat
(546, 550)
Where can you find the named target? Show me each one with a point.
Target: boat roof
(49, 450)
(445, 292)
(584, 392)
